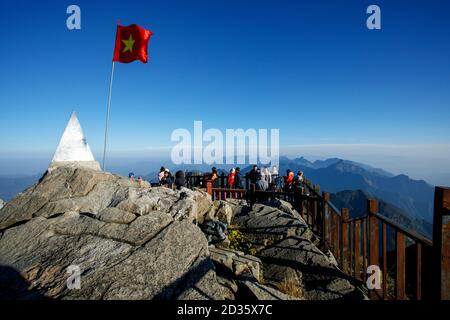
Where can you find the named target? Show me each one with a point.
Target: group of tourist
(291, 182)
(166, 179)
(264, 179)
(141, 182)
(234, 179)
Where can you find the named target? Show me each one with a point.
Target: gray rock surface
(263, 292)
(128, 242)
(2, 203)
(299, 262)
(237, 262)
(264, 224)
(291, 260)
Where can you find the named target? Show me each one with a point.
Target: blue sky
(310, 68)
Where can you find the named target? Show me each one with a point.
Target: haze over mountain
(12, 185)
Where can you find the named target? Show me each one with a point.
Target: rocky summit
(127, 240)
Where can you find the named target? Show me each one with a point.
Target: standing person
(237, 179)
(299, 181)
(261, 183)
(161, 174)
(267, 175)
(253, 174)
(275, 177)
(274, 171)
(299, 178)
(230, 178)
(180, 179)
(288, 180)
(215, 178)
(131, 176)
(212, 177)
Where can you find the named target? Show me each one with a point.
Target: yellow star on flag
(128, 44)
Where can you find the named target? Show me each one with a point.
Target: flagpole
(107, 115)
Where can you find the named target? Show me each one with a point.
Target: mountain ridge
(356, 202)
(413, 196)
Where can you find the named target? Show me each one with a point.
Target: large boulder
(264, 224)
(299, 263)
(291, 260)
(257, 291)
(236, 262)
(126, 240)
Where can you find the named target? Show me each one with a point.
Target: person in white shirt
(267, 175)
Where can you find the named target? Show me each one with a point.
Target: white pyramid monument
(73, 149)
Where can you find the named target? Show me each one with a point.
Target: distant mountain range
(415, 197)
(356, 202)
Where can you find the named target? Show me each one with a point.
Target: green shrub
(238, 241)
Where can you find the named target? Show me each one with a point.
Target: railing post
(364, 247)
(358, 250)
(252, 194)
(418, 271)
(384, 253)
(325, 226)
(298, 201)
(441, 242)
(344, 240)
(209, 187)
(315, 211)
(400, 274)
(335, 233)
(301, 204)
(372, 206)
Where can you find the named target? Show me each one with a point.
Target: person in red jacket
(230, 178)
(289, 180)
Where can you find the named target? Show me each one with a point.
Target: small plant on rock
(238, 241)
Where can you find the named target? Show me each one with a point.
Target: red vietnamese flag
(131, 44)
